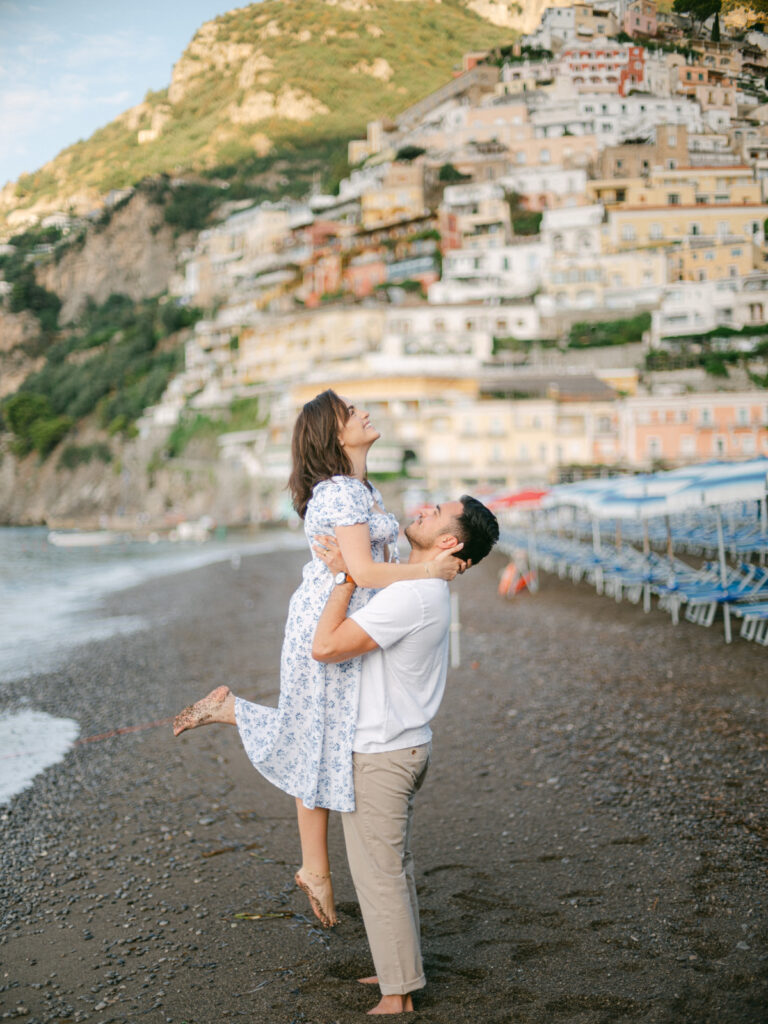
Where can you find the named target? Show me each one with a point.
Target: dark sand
(590, 841)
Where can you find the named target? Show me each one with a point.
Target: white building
(576, 229)
(509, 272)
(557, 25)
(693, 307)
(613, 118)
(566, 185)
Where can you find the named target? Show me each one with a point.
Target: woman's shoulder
(341, 492)
(341, 484)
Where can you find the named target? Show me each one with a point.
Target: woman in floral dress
(304, 745)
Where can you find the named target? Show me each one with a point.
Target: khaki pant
(378, 838)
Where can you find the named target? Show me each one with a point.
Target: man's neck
(422, 555)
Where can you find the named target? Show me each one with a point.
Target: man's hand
(326, 547)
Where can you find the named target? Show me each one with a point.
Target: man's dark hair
(478, 528)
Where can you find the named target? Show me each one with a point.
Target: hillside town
(554, 265)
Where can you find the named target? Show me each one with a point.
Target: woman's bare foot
(393, 1004)
(319, 891)
(218, 706)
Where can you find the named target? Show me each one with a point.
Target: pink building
(603, 66)
(364, 273)
(640, 18)
(682, 429)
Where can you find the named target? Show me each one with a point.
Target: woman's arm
(355, 544)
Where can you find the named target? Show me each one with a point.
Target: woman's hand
(447, 566)
(326, 547)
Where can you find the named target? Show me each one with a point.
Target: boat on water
(83, 538)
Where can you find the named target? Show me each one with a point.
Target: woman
(304, 746)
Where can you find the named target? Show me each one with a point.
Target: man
(403, 632)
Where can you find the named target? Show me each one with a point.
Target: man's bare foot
(319, 891)
(372, 980)
(393, 1004)
(213, 708)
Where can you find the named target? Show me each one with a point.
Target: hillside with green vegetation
(115, 363)
(266, 96)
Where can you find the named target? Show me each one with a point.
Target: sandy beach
(590, 841)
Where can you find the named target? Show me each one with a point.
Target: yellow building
(631, 227)
(400, 196)
(679, 186)
(711, 259)
(589, 280)
(290, 347)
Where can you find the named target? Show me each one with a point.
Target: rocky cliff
(134, 254)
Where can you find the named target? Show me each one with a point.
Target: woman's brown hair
(316, 451)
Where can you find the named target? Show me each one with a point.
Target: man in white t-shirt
(403, 633)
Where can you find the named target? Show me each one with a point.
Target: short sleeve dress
(304, 745)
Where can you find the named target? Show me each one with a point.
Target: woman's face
(357, 432)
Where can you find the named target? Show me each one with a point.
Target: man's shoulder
(412, 594)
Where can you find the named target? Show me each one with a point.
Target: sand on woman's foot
(589, 842)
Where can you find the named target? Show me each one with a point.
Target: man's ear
(446, 540)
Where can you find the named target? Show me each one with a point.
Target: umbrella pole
(763, 527)
(533, 568)
(596, 547)
(646, 554)
(723, 574)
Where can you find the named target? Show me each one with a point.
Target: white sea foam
(49, 595)
(30, 742)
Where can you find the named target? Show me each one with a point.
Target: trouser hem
(403, 988)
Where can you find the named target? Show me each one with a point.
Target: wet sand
(590, 842)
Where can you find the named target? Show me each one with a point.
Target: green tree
(699, 10)
(44, 435)
(408, 153)
(26, 293)
(21, 411)
(449, 173)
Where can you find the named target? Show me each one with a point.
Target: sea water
(49, 598)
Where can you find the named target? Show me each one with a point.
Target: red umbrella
(531, 498)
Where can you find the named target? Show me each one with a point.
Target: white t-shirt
(402, 682)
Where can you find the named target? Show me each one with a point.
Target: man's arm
(338, 638)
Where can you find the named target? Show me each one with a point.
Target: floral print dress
(304, 745)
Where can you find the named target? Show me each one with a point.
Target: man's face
(432, 523)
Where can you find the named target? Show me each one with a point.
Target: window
(705, 417)
(748, 445)
(673, 199)
(742, 417)
(654, 448)
(719, 445)
(657, 231)
(628, 233)
(687, 444)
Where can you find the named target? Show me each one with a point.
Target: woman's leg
(314, 875)
(218, 706)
